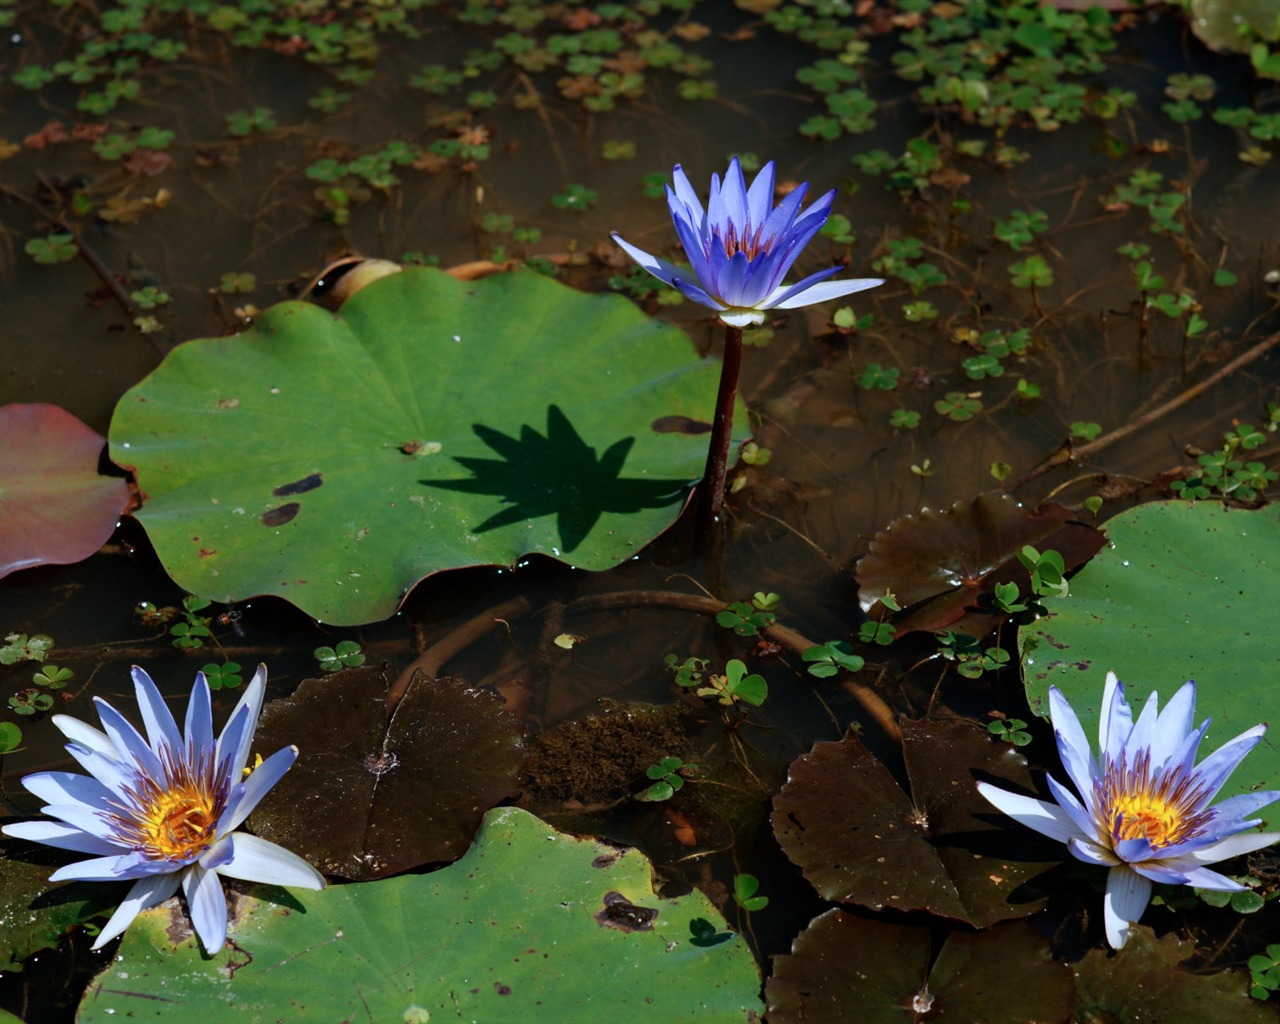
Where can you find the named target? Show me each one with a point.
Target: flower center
(751, 244)
(1162, 807)
(177, 824)
(1145, 816)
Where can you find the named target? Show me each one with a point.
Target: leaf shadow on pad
(557, 474)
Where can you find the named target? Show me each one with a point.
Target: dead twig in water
(1070, 453)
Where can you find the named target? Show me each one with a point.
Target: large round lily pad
(1183, 591)
(54, 504)
(336, 459)
(530, 926)
(860, 838)
(394, 791)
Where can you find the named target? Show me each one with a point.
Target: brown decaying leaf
(845, 968)
(938, 564)
(858, 837)
(372, 795)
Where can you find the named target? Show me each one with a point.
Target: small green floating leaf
(558, 422)
(531, 926)
(1182, 591)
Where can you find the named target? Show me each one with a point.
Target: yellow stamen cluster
(174, 819)
(1162, 807)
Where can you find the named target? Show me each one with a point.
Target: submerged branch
(434, 657)
(1071, 453)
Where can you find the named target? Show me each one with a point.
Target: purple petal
(1046, 818)
(691, 205)
(86, 735)
(1116, 721)
(109, 869)
(246, 796)
(200, 720)
(208, 906)
(1162, 871)
(732, 199)
(1204, 878)
(68, 788)
(1091, 852)
(128, 740)
(114, 774)
(1146, 732)
(145, 893)
(1232, 846)
(1073, 748)
(1176, 720)
(1126, 898)
(667, 273)
(256, 860)
(760, 197)
(86, 819)
(809, 291)
(1238, 808)
(1086, 824)
(63, 836)
(1215, 769)
(237, 735)
(158, 720)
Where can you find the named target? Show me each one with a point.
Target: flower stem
(722, 428)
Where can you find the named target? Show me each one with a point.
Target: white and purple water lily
(1144, 810)
(741, 247)
(162, 810)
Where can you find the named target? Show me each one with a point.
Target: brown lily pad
(372, 795)
(859, 837)
(55, 507)
(846, 968)
(1143, 984)
(939, 564)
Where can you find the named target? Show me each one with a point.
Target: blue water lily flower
(1144, 810)
(741, 247)
(163, 810)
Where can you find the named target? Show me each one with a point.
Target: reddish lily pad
(55, 507)
(372, 795)
(939, 564)
(860, 838)
(845, 968)
(1143, 982)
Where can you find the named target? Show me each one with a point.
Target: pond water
(232, 207)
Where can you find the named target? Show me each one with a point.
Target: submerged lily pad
(389, 793)
(1183, 591)
(859, 838)
(336, 459)
(938, 564)
(1143, 984)
(531, 926)
(845, 968)
(33, 913)
(55, 507)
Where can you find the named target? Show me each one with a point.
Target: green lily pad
(1183, 591)
(860, 838)
(1143, 983)
(55, 507)
(33, 913)
(336, 459)
(394, 791)
(844, 968)
(531, 926)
